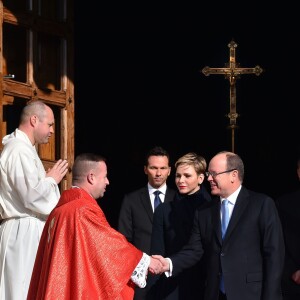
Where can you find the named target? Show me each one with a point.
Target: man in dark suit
(136, 214)
(247, 262)
(289, 212)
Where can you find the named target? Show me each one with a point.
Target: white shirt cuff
(169, 273)
(139, 274)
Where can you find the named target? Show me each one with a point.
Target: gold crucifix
(232, 72)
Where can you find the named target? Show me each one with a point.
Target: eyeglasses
(213, 174)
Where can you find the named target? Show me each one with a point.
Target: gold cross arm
(257, 70)
(232, 72)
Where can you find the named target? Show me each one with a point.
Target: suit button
(222, 254)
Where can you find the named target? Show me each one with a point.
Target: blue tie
(157, 200)
(225, 216)
(225, 221)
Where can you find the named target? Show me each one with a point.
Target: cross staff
(232, 72)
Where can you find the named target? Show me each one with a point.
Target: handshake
(158, 264)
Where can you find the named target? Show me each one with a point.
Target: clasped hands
(158, 264)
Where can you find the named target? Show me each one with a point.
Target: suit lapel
(239, 209)
(146, 202)
(170, 194)
(216, 219)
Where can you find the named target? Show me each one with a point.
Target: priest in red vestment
(80, 256)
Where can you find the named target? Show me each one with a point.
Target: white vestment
(27, 197)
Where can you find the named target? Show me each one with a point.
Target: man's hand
(58, 171)
(155, 266)
(165, 266)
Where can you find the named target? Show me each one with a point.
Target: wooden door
(36, 63)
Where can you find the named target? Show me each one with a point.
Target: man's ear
(90, 178)
(33, 120)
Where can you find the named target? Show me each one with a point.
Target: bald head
(231, 161)
(37, 122)
(37, 108)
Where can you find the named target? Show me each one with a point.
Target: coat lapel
(216, 219)
(238, 211)
(146, 202)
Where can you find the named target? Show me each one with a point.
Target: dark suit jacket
(172, 226)
(289, 212)
(251, 256)
(135, 221)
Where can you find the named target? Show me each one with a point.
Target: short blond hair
(193, 159)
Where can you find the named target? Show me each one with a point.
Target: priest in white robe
(27, 196)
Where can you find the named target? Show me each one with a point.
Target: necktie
(225, 220)
(157, 200)
(225, 216)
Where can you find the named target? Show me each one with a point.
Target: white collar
(232, 198)
(162, 189)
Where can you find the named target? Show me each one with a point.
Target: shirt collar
(162, 189)
(232, 198)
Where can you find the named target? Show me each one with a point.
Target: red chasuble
(80, 256)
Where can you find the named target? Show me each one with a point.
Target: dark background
(138, 83)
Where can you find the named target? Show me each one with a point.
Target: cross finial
(232, 72)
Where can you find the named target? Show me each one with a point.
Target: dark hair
(156, 151)
(83, 164)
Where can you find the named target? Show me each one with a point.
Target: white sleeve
(31, 188)
(139, 274)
